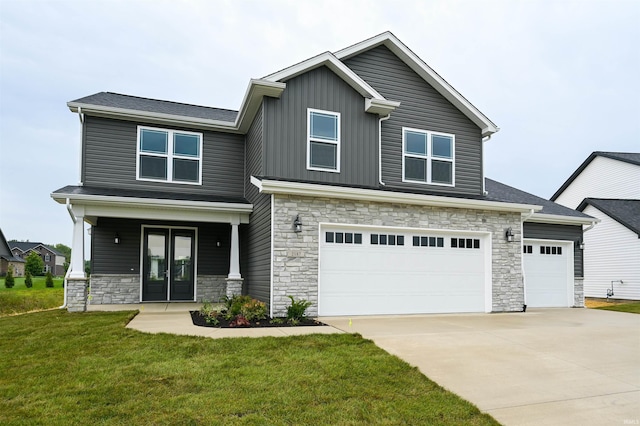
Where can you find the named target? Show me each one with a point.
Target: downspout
(524, 278)
(66, 276)
(484, 191)
(380, 147)
(81, 117)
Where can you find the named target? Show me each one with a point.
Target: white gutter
(524, 275)
(81, 117)
(484, 190)
(328, 191)
(380, 147)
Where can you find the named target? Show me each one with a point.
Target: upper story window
(428, 157)
(169, 155)
(47, 258)
(323, 140)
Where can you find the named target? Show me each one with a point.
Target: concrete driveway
(542, 367)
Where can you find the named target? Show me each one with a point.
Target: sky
(560, 78)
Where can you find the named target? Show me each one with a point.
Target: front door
(168, 268)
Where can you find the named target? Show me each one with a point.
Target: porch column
(234, 279)
(77, 246)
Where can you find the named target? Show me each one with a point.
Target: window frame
(170, 155)
(429, 157)
(310, 140)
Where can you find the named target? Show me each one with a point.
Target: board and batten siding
(612, 253)
(257, 234)
(285, 131)
(109, 158)
(547, 231)
(603, 178)
(422, 107)
(124, 258)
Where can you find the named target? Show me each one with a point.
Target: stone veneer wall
(114, 289)
(578, 293)
(125, 288)
(295, 255)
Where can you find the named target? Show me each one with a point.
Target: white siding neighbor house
(607, 187)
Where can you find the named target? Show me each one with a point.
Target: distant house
(53, 260)
(8, 260)
(607, 186)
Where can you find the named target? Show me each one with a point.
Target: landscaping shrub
(297, 311)
(254, 310)
(9, 281)
(234, 305)
(209, 313)
(49, 280)
(28, 280)
(34, 264)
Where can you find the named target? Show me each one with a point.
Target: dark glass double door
(168, 264)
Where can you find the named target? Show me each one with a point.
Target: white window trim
(170, 156)
(429, 157)
(310, 139)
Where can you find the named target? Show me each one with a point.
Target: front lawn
(19, 298)
(62, 368)
(631, 307)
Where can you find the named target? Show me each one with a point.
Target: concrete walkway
(174, 318)
(542, 367)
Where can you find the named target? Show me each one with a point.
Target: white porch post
(234, 261)
(234, 279)
(77, 246)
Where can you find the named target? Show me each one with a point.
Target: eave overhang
(561, 220)
(256, 90)
(269, 186)
(426, 72)
(95, 206)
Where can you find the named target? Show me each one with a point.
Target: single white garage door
(548, 273)
(366, 271)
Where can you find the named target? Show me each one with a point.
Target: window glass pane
(440, 242)
(415, 169)
(357, 238)
(392, 240)
(153, 167)
(186, 170)
(415, 143)
(153, 141)
(324, 126)
(329, 237)
(454, 242)
(432, 241)
(424, 241)
(441, 172)
(416, 241)
(383, 239)
(374, 239)
(441, 146)
(553, 250)
(324, 155)
(186, 145)
(461, 242)
(400, 240)
(476, 244)
(348, 238)
(559, 250)
(339, 237)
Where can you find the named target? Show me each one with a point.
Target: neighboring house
(9, 260)
(353, 179)
(53, 260)
(607, 187)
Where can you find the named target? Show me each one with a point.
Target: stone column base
(77, 291)
(234, 286)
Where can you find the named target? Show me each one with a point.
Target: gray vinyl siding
(285, 130)
(257, 234)
(124, 258)
(558, 232)
(422, 107)
(109, 154)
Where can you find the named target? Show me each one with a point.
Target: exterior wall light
(297, 225)
(509, 235)
(580, 243)
(116, 239)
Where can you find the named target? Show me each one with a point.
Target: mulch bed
(198, 320)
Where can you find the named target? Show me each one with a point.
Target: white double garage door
(368, 271)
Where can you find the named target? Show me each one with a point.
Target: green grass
(631, 307)
(62, 368)
(20, 299)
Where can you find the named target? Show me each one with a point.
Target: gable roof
(551, 212)
(627, 157)
(625, 212)
(414, 62)
(5, 250)
(25, 246)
